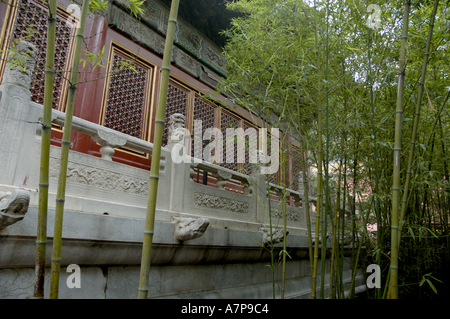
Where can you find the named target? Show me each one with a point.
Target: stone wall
(221, 264)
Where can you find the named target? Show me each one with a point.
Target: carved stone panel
(217, 202)
(83, 173)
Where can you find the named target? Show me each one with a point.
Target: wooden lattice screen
(31, 25)
(127, 108)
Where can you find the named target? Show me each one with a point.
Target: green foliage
(271, 58)
(98, 5)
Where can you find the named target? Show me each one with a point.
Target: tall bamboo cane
(326, 210)
(416, 119)
(65, 145)
(397, 154)
(375, 159)
(344, 195)
(335, 229)
(283, 176)
(416, 122)
(306, 203)
(304, 155)
(41, 240)
(156, 154)
(319, 164)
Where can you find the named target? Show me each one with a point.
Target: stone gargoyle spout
(13, 206)
(189, 228)
(277, 236)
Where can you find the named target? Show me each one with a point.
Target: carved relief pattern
(29, 12)
(189, 40)
(177, 102)
(214, 57)
(290, 215)
(217, 202)
(205, 112)
(228, 121)
(126, 98)
(104, 179)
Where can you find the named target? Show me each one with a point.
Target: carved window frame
(7, 34)
(146, 120)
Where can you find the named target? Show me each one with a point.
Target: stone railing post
(258, 185)
(14, 105)
(179, 172)
(222, 177)
(108, 141)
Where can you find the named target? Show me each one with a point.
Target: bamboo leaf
(432, 233)
(412, 233)
(429, 100)
(432, 286)
(422, 281)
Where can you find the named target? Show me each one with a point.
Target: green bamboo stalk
(375, 159)
(326, 210)
(41, 240)
(283, 176)
(353, 219)
(397, 155)
(355, 267)
(344, 138)
(305, 190)
(306, 203)
(319, 163)
(65, 146)
(156, 154)
(416, 119)
(335, 229)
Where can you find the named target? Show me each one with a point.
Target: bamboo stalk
(335, 229)
(156, 154)
(416, 119)
(344, 138)
(352, 288)
(375, 160)
(41, 240)
(319, 164)
(283, 176)
(308, 217)
(327, 191)
(397, 155)
(65, 146)
(305, 190)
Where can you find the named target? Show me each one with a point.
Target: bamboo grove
(367, 97)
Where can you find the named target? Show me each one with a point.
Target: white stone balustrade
(101, 185)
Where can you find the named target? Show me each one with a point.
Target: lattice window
(296, 160)
(177, 102)
(127, 99)
(228, 121)
(247, 166)
(206, 112)
(273, 178)
(32, 15)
